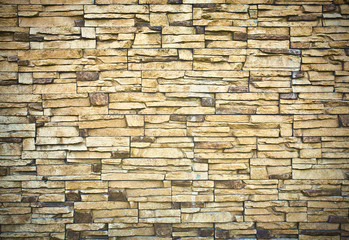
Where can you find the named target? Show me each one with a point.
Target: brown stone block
(21, 36)
(83, 217)
(83, 132)
(233, 89)
(269, 37)
(281, 51)
(23, 62)
(178, 118)
(12, 58)
(223, 234)
(196, 118)
(36, 38)
(329, 7)
(212, 6)
(303, 18)
(289, 96)
(206, 232)
(337, 219)
(120, 154)
(143, 139)
(11, 139)
(43, 80)
(175, 1)
(240, 36)
(208, 102)
(192, 205)
(73, 196)
(181, 183)
(297, 74)
(163, 229)
(322, 192)
(99, 99)
(182, 23)
(347, 51)
(79, 23)
(97, 168)
(319, 232)
(6, 83)
(4, 171)
(200, 29)
(72, 235)
(87, 76)
(29, 199)
(234, 184)
(311, 139)
(117, 196)
(344, 120)
(263, 233)
(280, 176)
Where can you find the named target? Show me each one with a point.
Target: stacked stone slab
(174, 119)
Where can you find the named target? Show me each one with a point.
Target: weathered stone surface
(99, 99)
(322, 192)
(337, 219)
(73, 196)
(117, 196)
(206, 232)
(163, 229)
(82, 217)
(313, 232)
(344, 120)
(87, 76)
(183, 119)
(263, 233)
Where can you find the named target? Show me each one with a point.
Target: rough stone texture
(98, 99)
(174, 119)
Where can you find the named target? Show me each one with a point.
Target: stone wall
(174, 119)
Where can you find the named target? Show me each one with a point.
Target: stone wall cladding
(174, 119)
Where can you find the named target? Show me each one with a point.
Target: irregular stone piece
(207, 102)
(240, 36)
(163, 229)
(303, 18)
(200, 30)
(117, 196)
(73, 196)
(337, 219)
(3, 171)
(269, 37)
(263, 233)
(82, 217)
(328, 7)
(322, 192)
(311, 139)
(43, 80)
(222, 234)
(87, 76)
(73, 235)
(206, 232)
(344, 119)
(289, 96)
(315, 232)
(99, 99)
(175, 1)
